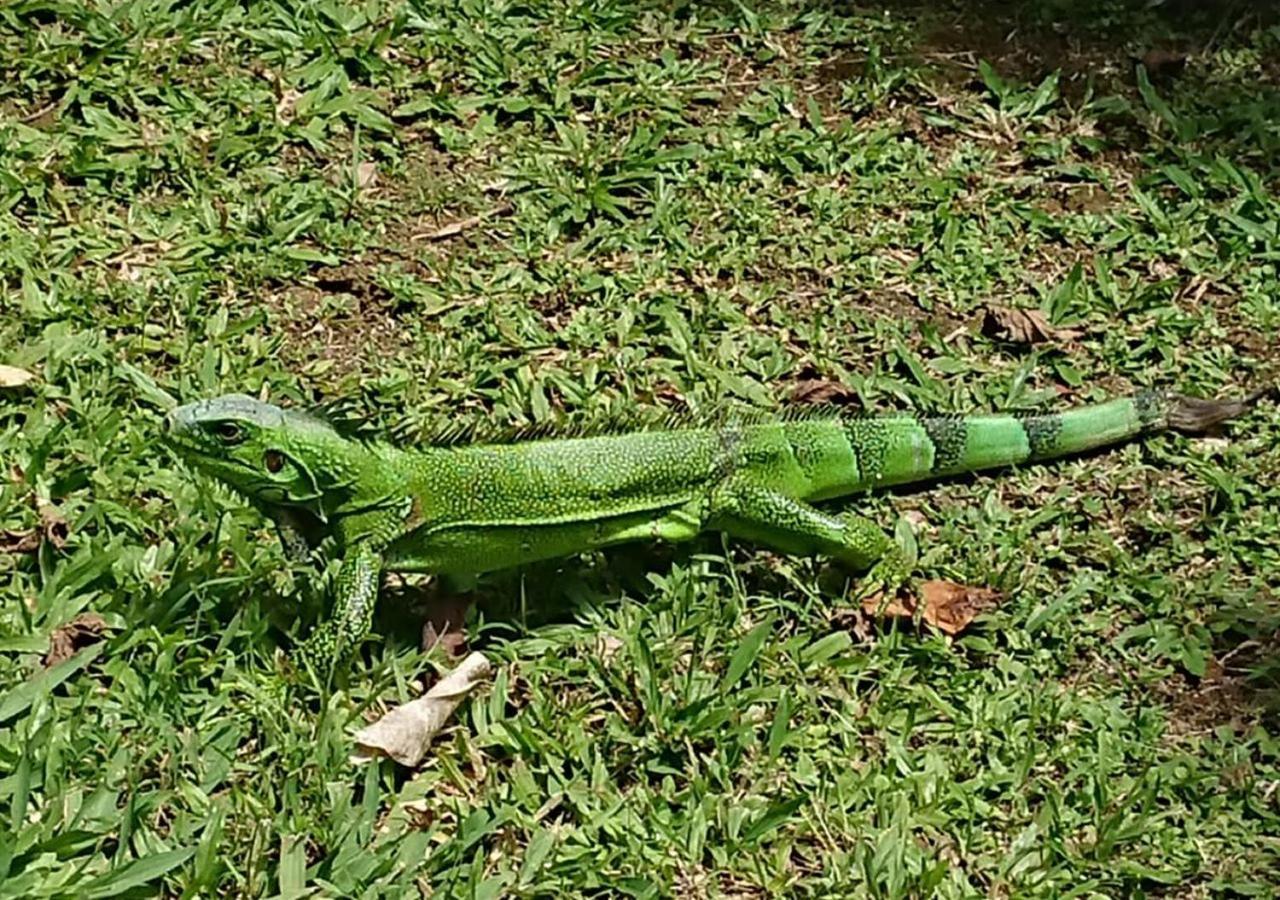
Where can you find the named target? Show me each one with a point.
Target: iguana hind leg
(793, 526)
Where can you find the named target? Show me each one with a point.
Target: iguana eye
(273, 460)
(228, 431)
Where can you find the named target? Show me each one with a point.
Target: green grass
(681, 204)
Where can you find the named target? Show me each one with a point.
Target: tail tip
(1196, 415)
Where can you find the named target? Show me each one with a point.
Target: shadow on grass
(1211, 89)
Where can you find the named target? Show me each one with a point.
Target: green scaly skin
(463, 510)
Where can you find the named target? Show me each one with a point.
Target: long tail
(1050, 435)
(896, 450)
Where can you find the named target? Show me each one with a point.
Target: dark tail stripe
(948, 436)
(1042, 433)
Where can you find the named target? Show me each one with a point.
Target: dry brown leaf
(444, 625)
(822, 390)
(668, 394)
(1022, 326)
(20, 541)
(366, 175)
(83, 630)
(12, 377)
(404, 733)
(53, 528)
(945, 605)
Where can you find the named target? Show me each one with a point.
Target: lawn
(495, 214)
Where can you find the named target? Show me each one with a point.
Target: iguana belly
(473, 548)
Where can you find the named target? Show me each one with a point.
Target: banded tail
(1001, 440)
(901, 449)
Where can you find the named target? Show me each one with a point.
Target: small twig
(453, 229)
(31, 117)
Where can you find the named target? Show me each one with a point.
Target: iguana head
(274, 457)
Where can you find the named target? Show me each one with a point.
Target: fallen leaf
(83, 630)
(366, 175)
(667, 394)
(1022, 326)
(53, 528)
(285, 105)
(823, 390)
(443, 627)
(20, 541)
(945, 605)
(607, 647)
(12, 377)
(404, 733)
(450, 230)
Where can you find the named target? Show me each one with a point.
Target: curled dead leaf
(946, 605)
(53, 526)
(12, 377)
(20, 541)
(818, 391)
(1023, 326)
(404, 733)
(83, 630)
(53, 529)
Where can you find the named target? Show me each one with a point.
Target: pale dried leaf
(945, 605)
(668, 394)
(1022, 326)
(607, 647)
(917, 519)
(20, 541)
(404, 733)
(366, 175)
(285, 105)
(12, 376)
(83, 630)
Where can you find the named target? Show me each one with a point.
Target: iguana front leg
(355, 592)
(793, 526)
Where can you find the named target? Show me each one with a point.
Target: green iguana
(470, 509)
